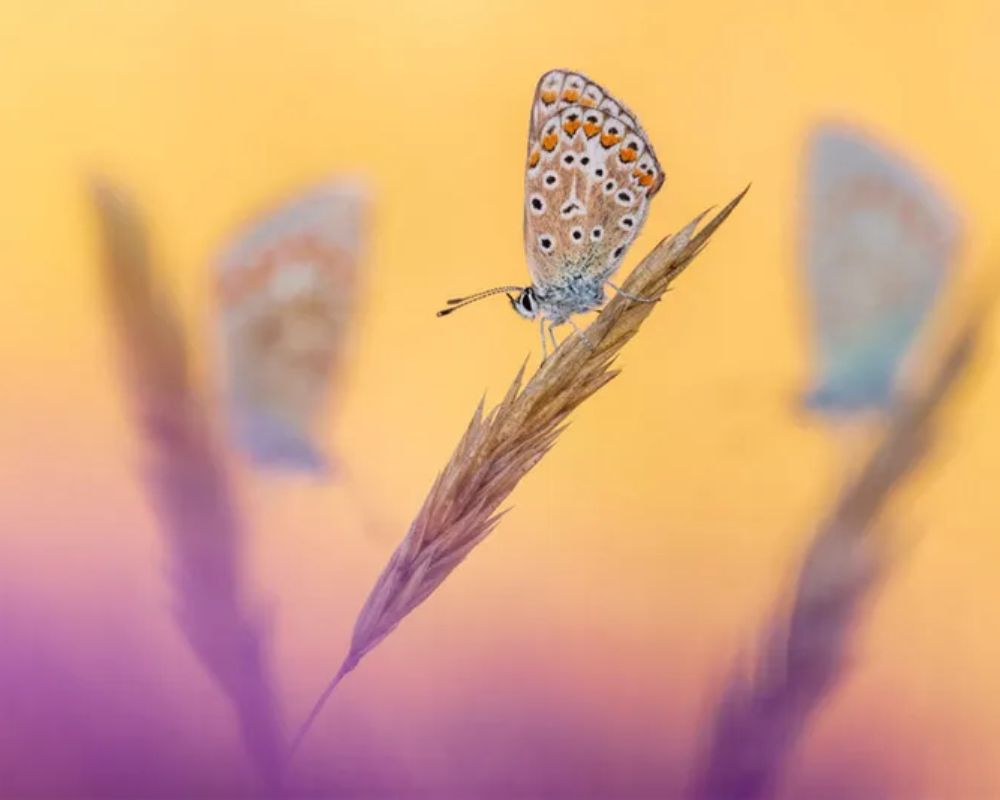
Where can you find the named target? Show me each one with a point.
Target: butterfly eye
(597, 233)
(576, 233)
(545, 243)
(537, 204)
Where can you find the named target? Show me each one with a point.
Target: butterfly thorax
(576, 290)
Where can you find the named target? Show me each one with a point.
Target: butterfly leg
(552, 336)
(633, 297)
(582, 334)
(541, 331)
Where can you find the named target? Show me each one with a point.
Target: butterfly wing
(287, 290)
(879, 240)
(591, 174)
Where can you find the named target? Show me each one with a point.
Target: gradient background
(577, 652)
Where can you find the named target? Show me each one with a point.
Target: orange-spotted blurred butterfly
(287, 291)
(879, 243)
(590, 175)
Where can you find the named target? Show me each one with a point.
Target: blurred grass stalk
(500, 447)
(186, 479)
(804, 649)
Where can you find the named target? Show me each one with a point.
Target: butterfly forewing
(878, 243)
(287, 289)
(591, 173)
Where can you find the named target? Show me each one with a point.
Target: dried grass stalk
(805, 647)
(500, 447)
(187, 481)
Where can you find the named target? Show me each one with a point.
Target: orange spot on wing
(571, 126)
(533, 161)
(549, 142)
(548, 97)
(610, 139)
(646, 180)
(627, 154)
(236, 286)
(589, 102)
(570, 95)
(591, 129)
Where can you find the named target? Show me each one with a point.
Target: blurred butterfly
(879, 240)
(590, 175)
(287, 291)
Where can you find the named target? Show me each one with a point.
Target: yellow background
(645, 550)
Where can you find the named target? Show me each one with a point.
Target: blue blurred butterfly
(287, 289)
(879, 240)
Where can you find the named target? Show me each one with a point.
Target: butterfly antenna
(457, 302)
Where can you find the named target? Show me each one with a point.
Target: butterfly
(287, 292)
(590, 175)
(878, 243)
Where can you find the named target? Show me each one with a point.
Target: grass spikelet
(805, 647)
(501, 446)
(187, 482)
